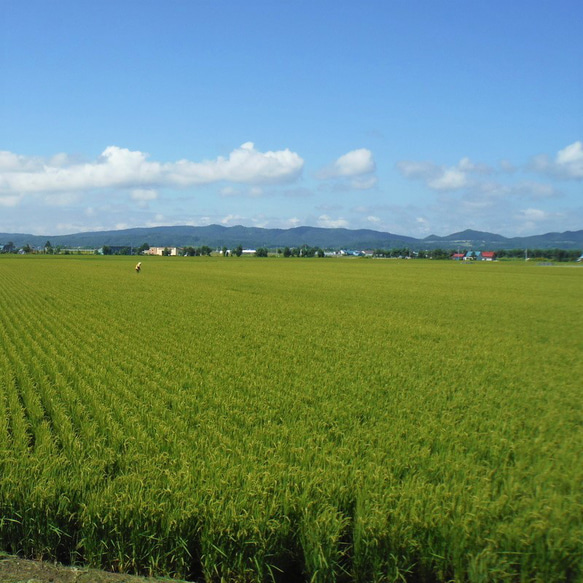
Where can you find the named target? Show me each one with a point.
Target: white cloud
(479, 191)
(568, 163)
(536, 215)
(229, 219)
(159, 220)
(570, 160)
(442, 178)
(357, 165)
(354, 163)
(466, 165)
(449, 179)
(245, 164)
(537, 220)
(10, 161)
(327, 222)
(123, 168)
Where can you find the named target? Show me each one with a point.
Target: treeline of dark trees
(551, 254)
(303, 251)
(205, 250)
(547, 254)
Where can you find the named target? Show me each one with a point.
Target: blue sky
(411, 117)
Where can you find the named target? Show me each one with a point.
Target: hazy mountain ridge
(218, 236)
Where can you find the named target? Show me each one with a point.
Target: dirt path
(15, 570)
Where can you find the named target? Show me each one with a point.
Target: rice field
(223, 419)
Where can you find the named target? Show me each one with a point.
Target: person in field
(139, 267)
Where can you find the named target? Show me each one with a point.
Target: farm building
(458, 256)
(488, 255)
(160, 250)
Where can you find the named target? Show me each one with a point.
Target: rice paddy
(223, 419)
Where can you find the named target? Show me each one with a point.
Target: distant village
(302, 251)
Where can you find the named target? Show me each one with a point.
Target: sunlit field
(224, 419)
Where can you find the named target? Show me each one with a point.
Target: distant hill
(216, 236)
(480, 240)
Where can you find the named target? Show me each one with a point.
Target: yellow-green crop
(320, 420)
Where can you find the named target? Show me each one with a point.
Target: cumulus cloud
(357, 166)
(355, 163)
(570, 160)
(245, 164)
(449, 179)
(122, 168)
(480, 188)
(567, 164)
(442, 178)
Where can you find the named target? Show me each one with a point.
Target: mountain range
(217, 236)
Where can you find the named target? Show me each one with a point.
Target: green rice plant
(318, 420)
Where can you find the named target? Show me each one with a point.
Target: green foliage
(331, 420)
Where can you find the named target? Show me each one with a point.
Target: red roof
(489, 254)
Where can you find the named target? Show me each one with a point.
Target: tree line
(556, 254)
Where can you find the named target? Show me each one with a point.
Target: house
(458, 256)
(160, 250)
(488, 255)
(473, 256)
